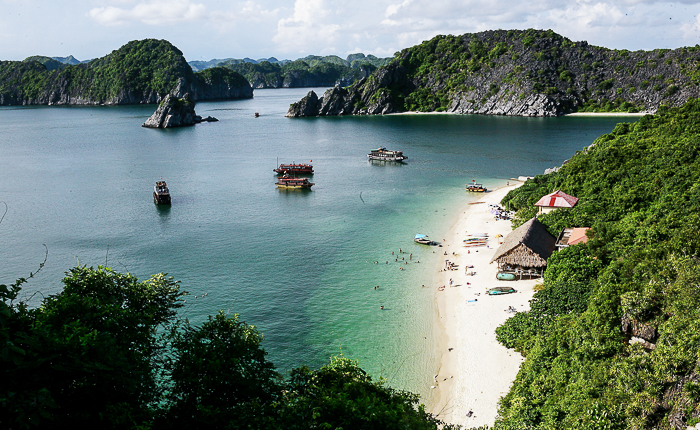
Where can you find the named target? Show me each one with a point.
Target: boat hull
(395, 159)
(295, 187)
(161, 199)
(502, 276)
(294, 169)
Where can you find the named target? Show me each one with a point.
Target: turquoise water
(299, 265)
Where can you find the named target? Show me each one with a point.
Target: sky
(291, 29)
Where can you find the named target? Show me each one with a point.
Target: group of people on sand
(449, 266)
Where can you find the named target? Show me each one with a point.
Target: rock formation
(522, 73)
(175, 112)
(140, 72)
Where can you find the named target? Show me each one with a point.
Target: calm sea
(301, 266)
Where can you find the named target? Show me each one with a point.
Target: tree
(87, 352)
(340, 395)
(220, 376)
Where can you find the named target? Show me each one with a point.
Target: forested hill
(310, 71)
(612, 340)
(525, 73)
(142, 71)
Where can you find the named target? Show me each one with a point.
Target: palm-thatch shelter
(525, 250)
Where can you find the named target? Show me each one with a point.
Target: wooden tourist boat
(161, 193)
(290, 182)
(383, 154)
(476, 188)
(294, 169)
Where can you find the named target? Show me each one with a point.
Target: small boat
(383, 154)
(478, 234)
(422, 239)
(500, 290)
(503, 276)
(161, 193)
(257, 114)
(290, 182)
(476, 188)
(294, 169)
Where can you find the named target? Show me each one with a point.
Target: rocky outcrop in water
(521, 73)
(175, 112)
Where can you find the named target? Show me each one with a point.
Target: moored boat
(422, 239)
(476, 188)
(383, 154)
(161, 193)
(294, 169)
(291, 182)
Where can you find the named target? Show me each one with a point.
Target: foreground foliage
(110, 352)
(637, 278)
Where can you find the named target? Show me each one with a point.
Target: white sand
(478, 371)
(609, 114)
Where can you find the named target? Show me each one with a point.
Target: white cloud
(310, 25)
(154, 12)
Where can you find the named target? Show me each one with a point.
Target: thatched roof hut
(528, 246)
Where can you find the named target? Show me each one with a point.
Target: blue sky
(206, 29)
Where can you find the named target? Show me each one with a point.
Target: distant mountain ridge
(516, 72)
(143, 71)
(310, 71)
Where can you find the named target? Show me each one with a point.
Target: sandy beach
(475, 370)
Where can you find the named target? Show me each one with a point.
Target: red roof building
(556, 200)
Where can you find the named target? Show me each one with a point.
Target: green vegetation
(436, 74)
(140, 71)
(109, 352)
(308, 71)
(638, 275)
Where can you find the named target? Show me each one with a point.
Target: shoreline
(595, 114)
(475, 371)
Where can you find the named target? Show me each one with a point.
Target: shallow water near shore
(300, 265)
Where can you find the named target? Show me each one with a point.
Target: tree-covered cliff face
(612, 340)
(308, 72)
(143, 71)
(525, 73)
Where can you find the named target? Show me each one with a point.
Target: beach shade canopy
(421, 236)
(557, 199)
(529, 245)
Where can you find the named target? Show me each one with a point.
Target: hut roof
(557, 199)
(578, 235)
(528, 245)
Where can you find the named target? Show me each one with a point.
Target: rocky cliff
(523, 73)
(139, 72)
(311, 71)
(175, 112)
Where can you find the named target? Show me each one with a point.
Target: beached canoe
(503, 276)
(500, 290)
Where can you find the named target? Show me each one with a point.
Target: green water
(299, 265)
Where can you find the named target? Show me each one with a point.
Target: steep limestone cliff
(523, 73)
(175, 112)
(139, 72)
